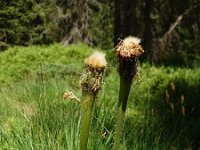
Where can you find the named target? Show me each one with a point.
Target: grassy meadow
(163, 107)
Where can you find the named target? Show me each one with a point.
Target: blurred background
(170, 30)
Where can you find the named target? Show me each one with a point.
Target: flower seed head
(96, 60)
(93, 79)
(129, 48)
(131, 39)
(128, 51)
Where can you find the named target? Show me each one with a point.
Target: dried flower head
(129, 48)
(128, 51)
(70, 95)
(95, 65)
(132, 39)
(96, 60)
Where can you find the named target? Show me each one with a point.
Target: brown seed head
(129, 48)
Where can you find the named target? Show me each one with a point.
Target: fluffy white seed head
(96, 60)
(131, 39)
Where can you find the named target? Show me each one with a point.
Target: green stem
(125, 86)
(86, 113)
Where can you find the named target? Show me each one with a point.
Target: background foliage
(24, 23)
(169, 29)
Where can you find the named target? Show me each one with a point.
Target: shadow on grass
(169, 119)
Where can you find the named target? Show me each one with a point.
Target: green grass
(35, 116)
(25, 62)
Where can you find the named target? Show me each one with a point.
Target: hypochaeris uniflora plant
(91, 83)
(128, 51)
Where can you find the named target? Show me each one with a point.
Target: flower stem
(125, 86)
(128, 51)
(91, 83)
(86, 113)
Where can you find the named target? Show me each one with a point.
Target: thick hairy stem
(91, 83)
(125, 86)
(86, 113)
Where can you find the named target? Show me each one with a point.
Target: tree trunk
(117, 22)
(147, 29)
(125, 19)
(129, 21)
(73, 21)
